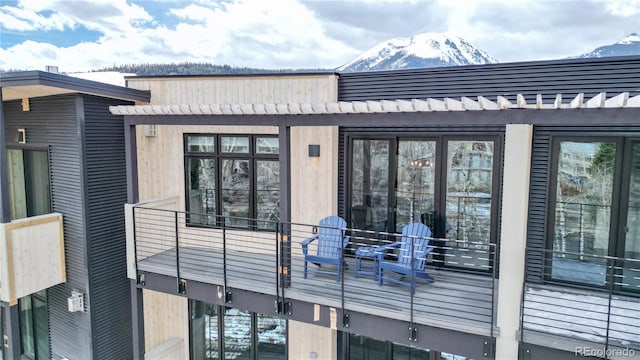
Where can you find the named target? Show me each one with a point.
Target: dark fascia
(258, 74)
(27, 78)
(521, 64)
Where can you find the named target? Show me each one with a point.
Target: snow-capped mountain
(630, 45)
(419, 51)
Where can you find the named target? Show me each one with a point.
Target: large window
(594, 209)
(226, 333)
(445, 182)
(232, 178)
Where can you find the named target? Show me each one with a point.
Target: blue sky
(79, 35)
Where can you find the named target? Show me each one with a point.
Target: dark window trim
(252, 157)
(621, 140)
(441, 138)
(253, 331)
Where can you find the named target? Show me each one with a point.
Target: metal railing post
(493, 255)
(412, 329)
(135, 241)
(610, 286)
(277, 272)
(178, 281)
(224, 253)
(285, 256)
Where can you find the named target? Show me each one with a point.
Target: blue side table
(369, 254)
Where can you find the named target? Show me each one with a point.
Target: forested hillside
(189, 68)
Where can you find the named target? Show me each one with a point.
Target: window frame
(252, 157)
(614, 211)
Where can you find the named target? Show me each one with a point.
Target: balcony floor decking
(455, 301)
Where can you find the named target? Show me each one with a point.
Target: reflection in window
(267, 145)
(238, 180)
(469, 185)
(272, 337)
(369, 184)
(584, 185)
(267, 193)
(216, 331)
(235, 144)
(202, 190)
(235, 192)
(204, 335)
(415, 184)
(237, 334)
(631, 270)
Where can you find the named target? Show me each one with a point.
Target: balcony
(160, 241)
(31, 256)
(578, 301)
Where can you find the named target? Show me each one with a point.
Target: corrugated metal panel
(106, 193)
(52, 122)
(539, 191)
(569, 77)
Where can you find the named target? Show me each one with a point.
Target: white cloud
(624, 8)
(306, 33)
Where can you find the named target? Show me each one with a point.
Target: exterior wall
(53, 123)
(106, 191)
(239, 89)
(166, 318)
(161, 158)
(314, 180)
(88, 186)
(305, 340)
(547, 78)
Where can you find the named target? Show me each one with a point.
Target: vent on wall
(150, 130)
(75, 302)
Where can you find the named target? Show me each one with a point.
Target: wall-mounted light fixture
(21, 136)
(314, 150)
(25, 104)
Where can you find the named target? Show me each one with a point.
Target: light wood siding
(31, 256)
(166, 318)
(240, 89)
(106, 184)
(305, 339)
(314, 180)
(161, 158)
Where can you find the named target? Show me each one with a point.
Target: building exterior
(63, 182)
(524, 172)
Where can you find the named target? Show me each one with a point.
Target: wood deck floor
(455, 301)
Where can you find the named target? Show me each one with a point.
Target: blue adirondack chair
(414, 236)
(331, 240)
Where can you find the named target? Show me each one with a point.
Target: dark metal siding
(106, 254)
(568, 77)
(539, 187)
(52, 122)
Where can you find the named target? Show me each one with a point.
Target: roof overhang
(622, 100)
(29, 84)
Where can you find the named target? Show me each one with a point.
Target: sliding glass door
(596, 211)
(444, 182)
